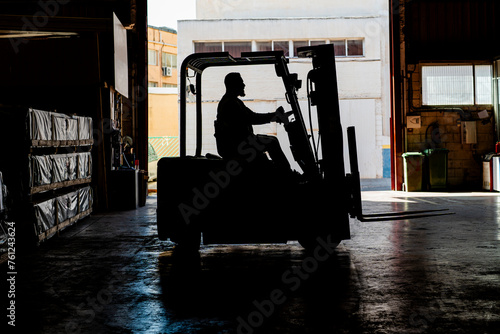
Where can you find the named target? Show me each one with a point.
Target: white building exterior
(362, 71)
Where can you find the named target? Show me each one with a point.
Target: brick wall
(464, 160)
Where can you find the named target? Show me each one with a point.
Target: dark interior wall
(452, 29)
(73, 75)
(61, 15)
(60, 74)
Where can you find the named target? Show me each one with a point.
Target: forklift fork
(356, 208)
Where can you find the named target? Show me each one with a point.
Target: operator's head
(234, 84)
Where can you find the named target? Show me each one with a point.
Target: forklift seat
(228, 148)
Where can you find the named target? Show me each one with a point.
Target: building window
(343, 47)
(236, 48)
(168, 60)
(298, 44)
(314, 43)
(152, 57)
(483, 83)
(339, 47)
(165, 85)
(355, 47)
(456, 85)
(282, 45)
(152, 84)
(348, 48)
(164, 57)
(208, 47)
(264, 46)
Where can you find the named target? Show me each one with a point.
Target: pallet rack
(48, 170)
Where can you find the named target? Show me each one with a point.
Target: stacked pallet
(59, 170)
(55, 129)
(56, 213)
(48, 170)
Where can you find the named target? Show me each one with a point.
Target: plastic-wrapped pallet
(73, 201)
(40, 124)
(85, 199)
(84, 165)
(67, 206)
(2, 200)
(59, 167)
(84, 127)
(62, 208)
(71, 130)
(45, 213)
(91, 128)
(72, 166)
(41, 170)
(59, 128)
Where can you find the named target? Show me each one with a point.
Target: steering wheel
(284, 118)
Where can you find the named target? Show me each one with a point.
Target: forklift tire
(189, 241)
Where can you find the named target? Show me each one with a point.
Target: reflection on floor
(110, 274)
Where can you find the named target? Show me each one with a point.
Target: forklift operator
(233, 127)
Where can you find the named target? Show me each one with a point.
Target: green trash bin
(436, 168)
(413, 171)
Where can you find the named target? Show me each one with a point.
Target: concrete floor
(110, 274)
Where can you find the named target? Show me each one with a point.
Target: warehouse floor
(110, 274)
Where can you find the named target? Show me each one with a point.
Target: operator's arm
(259, 118)
(234, 113)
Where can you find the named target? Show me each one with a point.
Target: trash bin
(488, 171)
(413, 163)
(123, 193)
(436, 168)
(495, 170)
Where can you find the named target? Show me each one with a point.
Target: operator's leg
(272, 146)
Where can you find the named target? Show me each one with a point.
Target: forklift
(249, 201)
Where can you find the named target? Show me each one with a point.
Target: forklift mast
(324, 96)
(300, 143)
